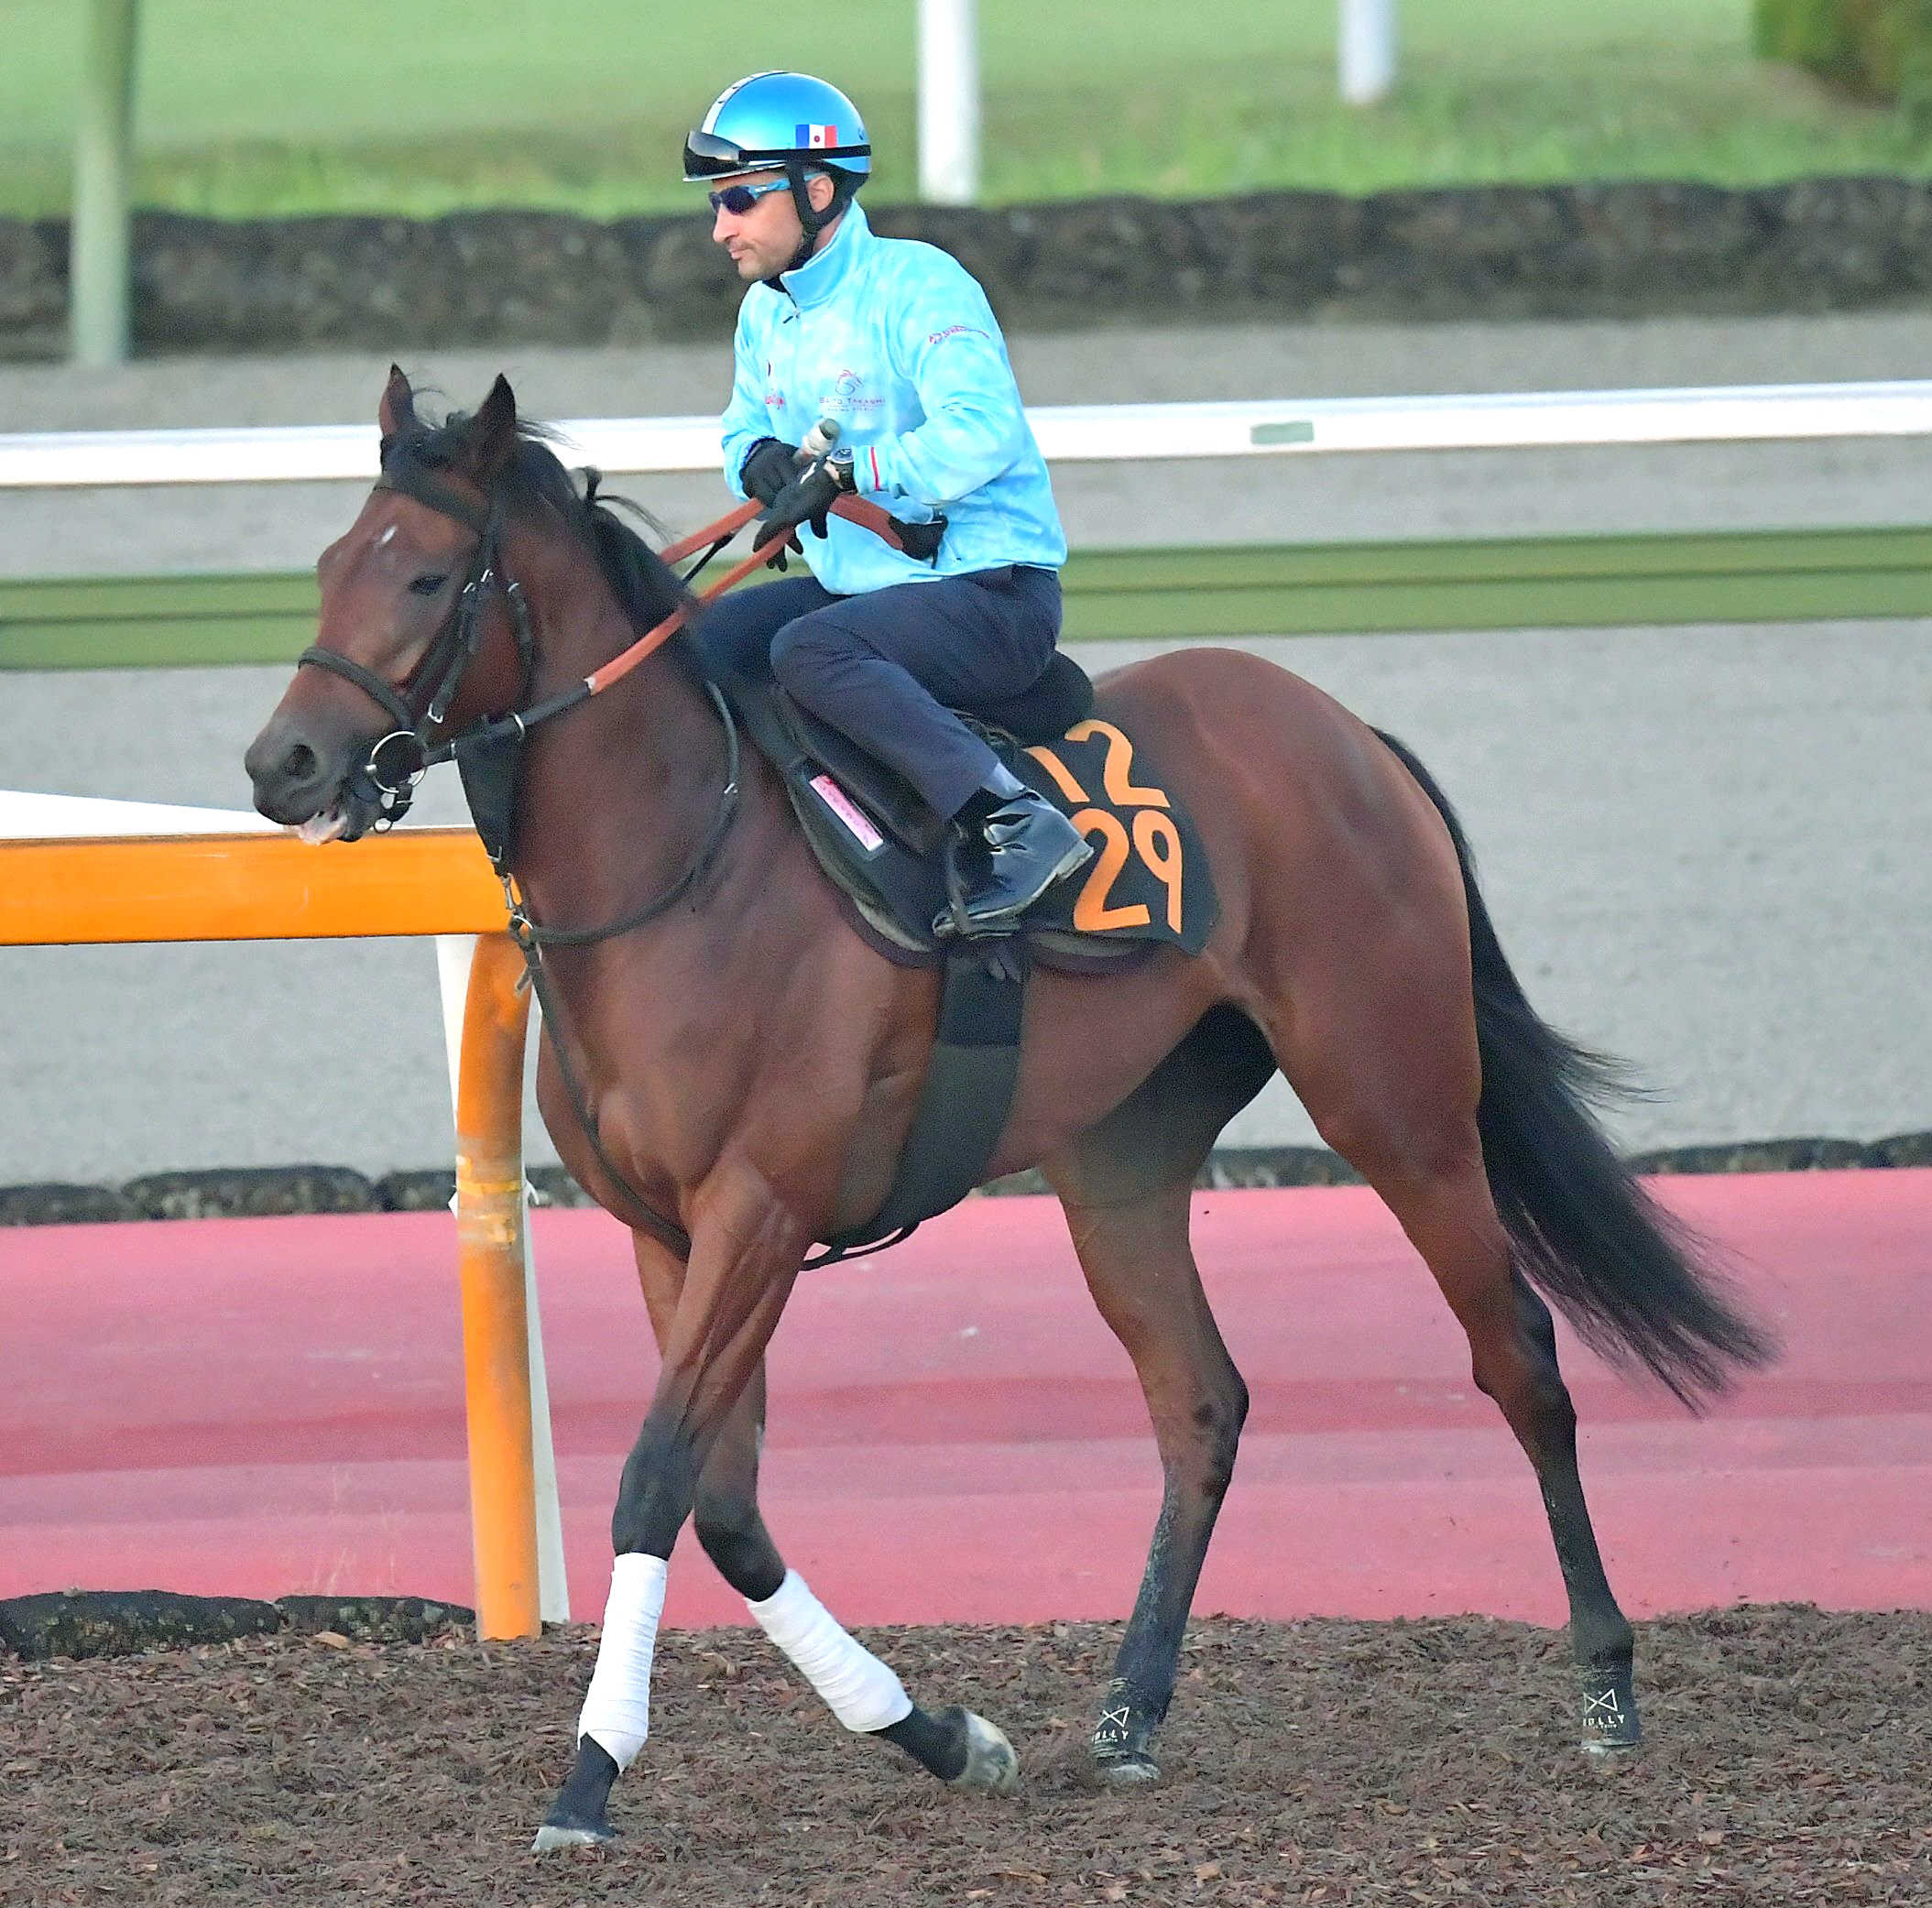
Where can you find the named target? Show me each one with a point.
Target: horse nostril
(299, 764)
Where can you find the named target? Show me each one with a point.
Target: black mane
(537, 478)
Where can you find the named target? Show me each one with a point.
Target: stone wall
(276, 1192)
(1501, 252)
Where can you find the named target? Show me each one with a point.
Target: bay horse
(739, 1068)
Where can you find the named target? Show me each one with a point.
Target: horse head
(420, 630)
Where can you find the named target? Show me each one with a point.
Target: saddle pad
(1148, 881)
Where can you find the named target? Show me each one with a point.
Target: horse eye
(428, 585)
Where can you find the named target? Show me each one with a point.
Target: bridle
(386, 777)
(385, 780)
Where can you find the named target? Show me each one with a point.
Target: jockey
(894, 342)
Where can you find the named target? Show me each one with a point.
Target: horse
(731, 1069)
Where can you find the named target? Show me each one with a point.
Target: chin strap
(813, 222)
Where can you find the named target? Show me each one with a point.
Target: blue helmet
(781, 119)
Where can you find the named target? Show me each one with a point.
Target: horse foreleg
(743, 1262)
(1143, 1278)
(860, 1690)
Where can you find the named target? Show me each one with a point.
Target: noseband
(385, 779)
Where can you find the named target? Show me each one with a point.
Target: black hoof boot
(1123, 1740)
(1610, 1724)
(580, 1817)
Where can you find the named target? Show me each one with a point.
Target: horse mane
(535, 479)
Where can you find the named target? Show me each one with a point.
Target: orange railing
(245, 884)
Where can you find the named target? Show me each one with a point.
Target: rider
(894, 342)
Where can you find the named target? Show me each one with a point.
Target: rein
(488, 753)
(385, 779)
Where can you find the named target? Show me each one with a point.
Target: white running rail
(1066, 433)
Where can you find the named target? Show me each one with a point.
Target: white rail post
(99, 232)
(948, 102)
(1365, 55)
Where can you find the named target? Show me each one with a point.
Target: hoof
(1123, 1741)
(1132, 1771)
(570, 1835)
(990, 1761)
(1613, 1751)
(579, 1817)
(1611, 1725)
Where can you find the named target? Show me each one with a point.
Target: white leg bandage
(858, 1689)
(616, 1707)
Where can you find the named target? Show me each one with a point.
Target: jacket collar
(827, 269)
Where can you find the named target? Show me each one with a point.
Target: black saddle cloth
(878, 840)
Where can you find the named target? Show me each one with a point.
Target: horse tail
(1623, 1271)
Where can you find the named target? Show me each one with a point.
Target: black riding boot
(1010, 845)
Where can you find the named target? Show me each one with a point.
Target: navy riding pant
(886, 667)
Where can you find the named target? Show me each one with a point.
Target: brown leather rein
(390, 784)
(385, 779)
(854, 509)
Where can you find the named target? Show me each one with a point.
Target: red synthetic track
(264, 1406)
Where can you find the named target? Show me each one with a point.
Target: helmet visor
(706, 155)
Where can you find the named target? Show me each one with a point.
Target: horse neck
(619, 793)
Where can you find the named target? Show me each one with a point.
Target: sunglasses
(740, 200)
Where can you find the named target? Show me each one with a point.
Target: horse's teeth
(324, 827)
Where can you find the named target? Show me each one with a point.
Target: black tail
(1620, 1269)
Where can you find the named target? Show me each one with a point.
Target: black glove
(807, 498)
(768, 468)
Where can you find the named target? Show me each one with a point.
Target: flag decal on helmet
(780, 118)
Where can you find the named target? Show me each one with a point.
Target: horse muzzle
(313, 791)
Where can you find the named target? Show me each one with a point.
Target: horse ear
(397, 412)
(493, 432)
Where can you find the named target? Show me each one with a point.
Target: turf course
(417, 106)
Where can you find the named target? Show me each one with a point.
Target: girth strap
(969, 1081)
(964, 1104)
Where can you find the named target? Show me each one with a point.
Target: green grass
(418, 106)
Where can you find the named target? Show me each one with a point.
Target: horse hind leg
(1450, 1216)
(1125, 1184)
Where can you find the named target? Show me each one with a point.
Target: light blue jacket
(895, 339)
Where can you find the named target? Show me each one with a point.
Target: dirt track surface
(1412, 1763)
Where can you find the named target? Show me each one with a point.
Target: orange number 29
(1158, 842)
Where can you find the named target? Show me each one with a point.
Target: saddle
(880, 844)
(882, 847)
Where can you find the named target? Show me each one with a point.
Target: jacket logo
(845, 396)
(954, 331)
